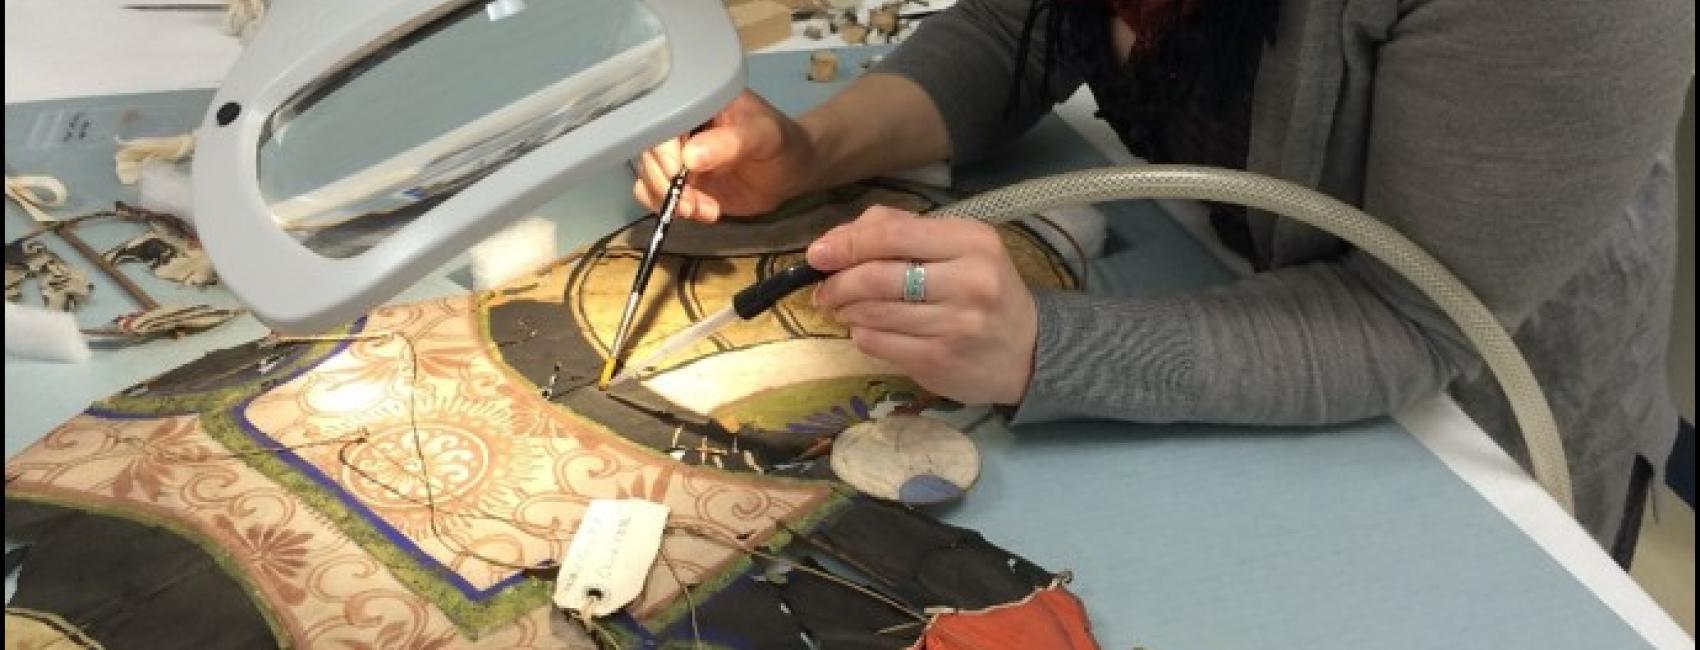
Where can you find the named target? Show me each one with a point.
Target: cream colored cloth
(133, 153)
(34, 193)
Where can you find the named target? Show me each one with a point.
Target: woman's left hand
(970, 339)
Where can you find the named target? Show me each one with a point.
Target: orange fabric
(1052, 619)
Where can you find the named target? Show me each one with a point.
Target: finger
(654, 177)
(882, 280)
(669, 154)
(695, 205)
(889, 234)
(914, 319)
(645, 198)
(755, 139)
(902, 350)
(707, 208)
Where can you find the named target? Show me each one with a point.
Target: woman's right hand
(748, 160)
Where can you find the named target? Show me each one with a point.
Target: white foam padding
(1084, 223)
(165, 187)
(45, 335)
(521, 248)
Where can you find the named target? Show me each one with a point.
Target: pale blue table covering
(1179, 537)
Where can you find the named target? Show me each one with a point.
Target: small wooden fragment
(823, 66)
(854, 33)
(760, 23)
(884, 20)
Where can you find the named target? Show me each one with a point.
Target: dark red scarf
(1224, 33)
(1150, 19)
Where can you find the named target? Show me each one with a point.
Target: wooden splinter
(854, 33)
(884, 21)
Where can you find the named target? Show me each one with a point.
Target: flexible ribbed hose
(1534, 416)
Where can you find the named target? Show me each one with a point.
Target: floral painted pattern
(279, 553)
(158, 461)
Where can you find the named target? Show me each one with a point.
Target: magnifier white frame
(298, 291)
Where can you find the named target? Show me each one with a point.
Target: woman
(1526, 147)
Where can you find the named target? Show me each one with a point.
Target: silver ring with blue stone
(915, 283)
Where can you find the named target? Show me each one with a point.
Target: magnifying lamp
(353, 149)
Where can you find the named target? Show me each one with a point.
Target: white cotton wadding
(242, 18)
(1085, 226)
(34, 333)
(133, 153)
(164, 187)
(521, 248)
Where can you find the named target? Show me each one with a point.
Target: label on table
(611, 554)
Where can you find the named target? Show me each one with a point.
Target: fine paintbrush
(664, 218)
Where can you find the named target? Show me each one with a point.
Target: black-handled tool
(747, 304)
(763, 295)
(664, 218)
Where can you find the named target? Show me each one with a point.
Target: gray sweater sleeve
(964, 58)
(1504, 140)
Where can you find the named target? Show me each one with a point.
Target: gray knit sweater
(1526, 146)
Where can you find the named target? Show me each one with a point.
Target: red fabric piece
(1050, 619)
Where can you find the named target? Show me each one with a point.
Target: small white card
(611, 555)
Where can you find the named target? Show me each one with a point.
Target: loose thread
(585, 619)
(173, 457)
(843, 582)
(690, 603)
(433, 513)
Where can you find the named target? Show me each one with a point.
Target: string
(173, 457)
(586, 620)
(824, 575)
(425, 476)
(690, 604)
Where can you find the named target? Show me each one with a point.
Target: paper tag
(610, 556)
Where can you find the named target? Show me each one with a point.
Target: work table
(1409, 532)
